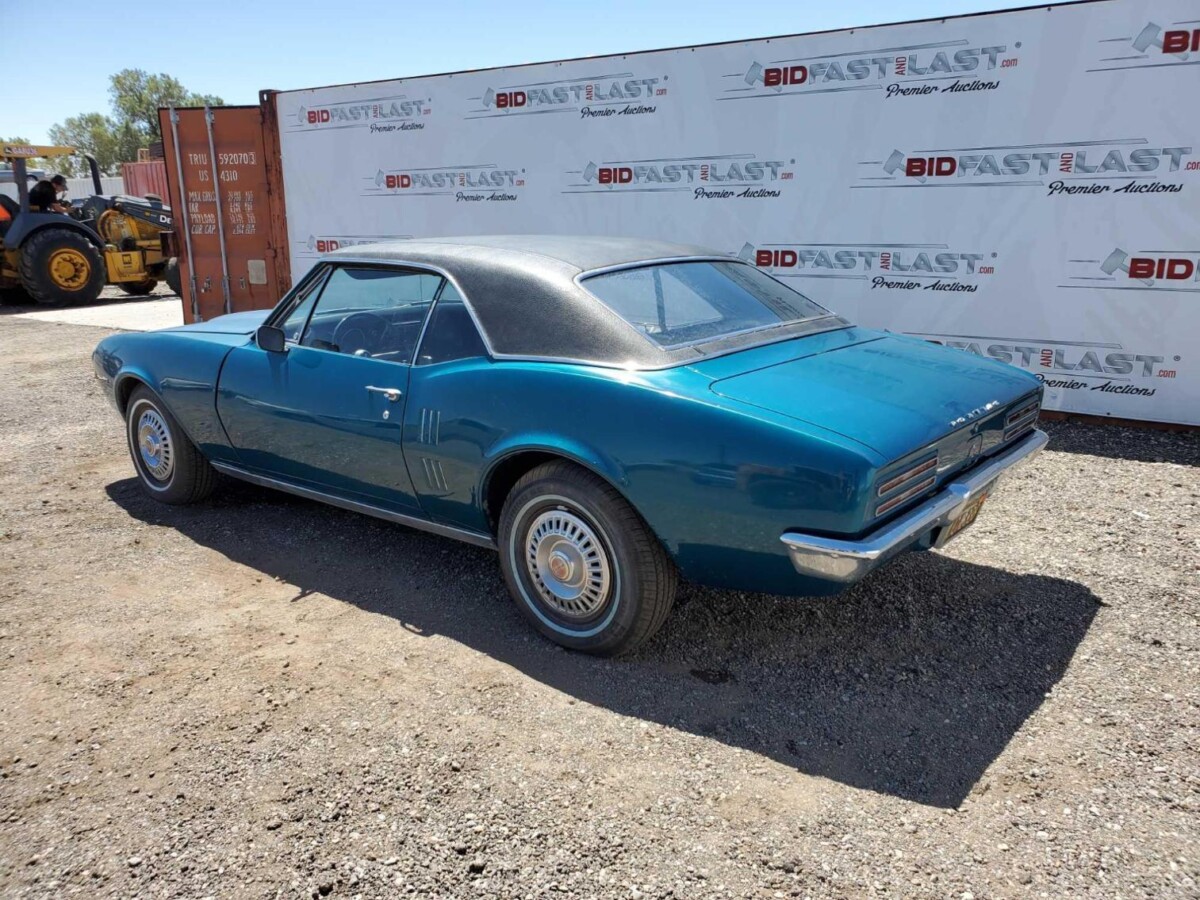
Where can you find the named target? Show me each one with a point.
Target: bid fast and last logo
(612, 95)
(1110, 368)
(319, 245)
(378, 115)
(734, 176)
(953, 67)
(1131, 166)
(886, 266)
(1155, 45)
(483, 182)
(1176, 271)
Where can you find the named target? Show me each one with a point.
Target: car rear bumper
(848, 561)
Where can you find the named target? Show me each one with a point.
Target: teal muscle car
(609, 414)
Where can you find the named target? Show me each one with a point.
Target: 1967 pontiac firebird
(609, 414)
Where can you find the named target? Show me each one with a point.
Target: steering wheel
(359, 333)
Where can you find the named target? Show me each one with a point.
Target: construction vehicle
(59, 259)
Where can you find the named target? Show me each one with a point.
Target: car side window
(451, 333)
(293, 323)
(372, 312)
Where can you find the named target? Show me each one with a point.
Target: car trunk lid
(892, 394)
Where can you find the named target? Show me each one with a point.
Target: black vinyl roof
(549, 251)
(524, 295)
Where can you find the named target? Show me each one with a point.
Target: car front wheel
(168, 465)
(581, 564)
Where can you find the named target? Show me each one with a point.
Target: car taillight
(1022, 419)
(906, 484)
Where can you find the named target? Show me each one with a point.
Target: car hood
(892, 394)
(233, 323)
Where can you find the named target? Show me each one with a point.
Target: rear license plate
(963, 522)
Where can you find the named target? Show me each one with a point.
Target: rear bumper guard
(849, 561)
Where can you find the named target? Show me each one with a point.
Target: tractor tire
(61, 267)
(171, 276)
(138, 288)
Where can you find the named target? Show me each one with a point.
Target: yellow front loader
(60, 258)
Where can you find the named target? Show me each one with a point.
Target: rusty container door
(142, 178)
(217, 170)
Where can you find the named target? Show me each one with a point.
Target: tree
(136, 96)
(97, 135)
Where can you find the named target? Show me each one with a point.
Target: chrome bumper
(848, 561)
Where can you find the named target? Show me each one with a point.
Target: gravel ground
(263, 697)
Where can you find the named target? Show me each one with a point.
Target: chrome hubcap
(154, 444)
(568, 564)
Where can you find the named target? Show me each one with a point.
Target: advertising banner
(1021, 185)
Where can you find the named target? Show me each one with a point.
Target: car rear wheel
(581, 564)
(168, 465)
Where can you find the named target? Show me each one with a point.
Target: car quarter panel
(183, 369)
(717, 482)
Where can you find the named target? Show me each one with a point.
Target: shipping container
(1018, 184)
(221, 193)
(144, 178)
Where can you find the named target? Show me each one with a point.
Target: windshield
(693, 302)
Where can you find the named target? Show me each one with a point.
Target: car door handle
(393, 394)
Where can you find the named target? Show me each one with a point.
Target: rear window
(675, 304)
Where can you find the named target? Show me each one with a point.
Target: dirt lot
(263, 697)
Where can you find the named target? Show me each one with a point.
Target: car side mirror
(271, 339)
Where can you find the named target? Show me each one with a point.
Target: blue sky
(233, 48)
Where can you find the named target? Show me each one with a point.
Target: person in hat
(43, 196)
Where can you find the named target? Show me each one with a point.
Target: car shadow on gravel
(910, 684)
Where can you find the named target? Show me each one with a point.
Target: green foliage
(136, 96)
(97, 134)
